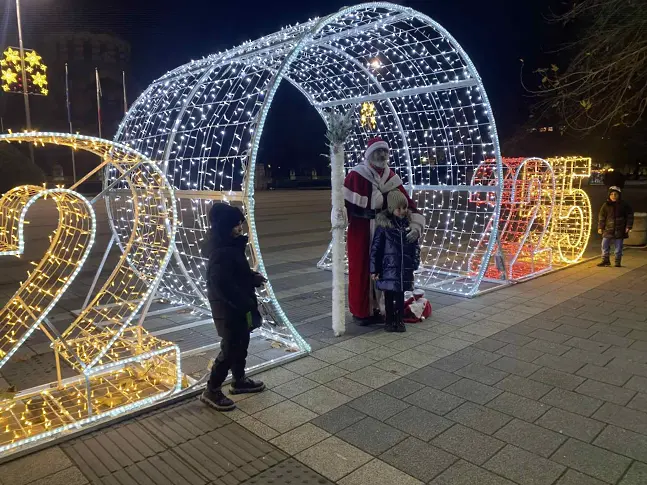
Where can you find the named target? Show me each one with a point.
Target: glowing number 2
(120, 366)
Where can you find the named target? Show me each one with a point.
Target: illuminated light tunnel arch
(204, 121)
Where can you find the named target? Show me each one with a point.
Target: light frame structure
(120, 366)
(204, 123)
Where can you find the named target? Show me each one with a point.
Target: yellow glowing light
(120, 366)
(367, 115)
(32, 58)
(39, 80)
(9, 76)
(12, 56)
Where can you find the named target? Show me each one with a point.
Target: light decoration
(120, 366)
(367, 115)
(35, 72)
(571, 225)
(527, 204)
(204, 123)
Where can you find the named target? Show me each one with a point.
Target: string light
(35, 72)
(120, 366)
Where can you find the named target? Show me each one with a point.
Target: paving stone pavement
(541, 383)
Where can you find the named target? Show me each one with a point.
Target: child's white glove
(413, 235)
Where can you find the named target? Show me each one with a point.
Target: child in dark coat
(615, 221)
(231, 287)
(394, 258)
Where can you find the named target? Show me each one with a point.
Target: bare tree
(605, 82)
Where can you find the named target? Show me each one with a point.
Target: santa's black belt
(364, 213)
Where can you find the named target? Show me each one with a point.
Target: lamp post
(24, 78)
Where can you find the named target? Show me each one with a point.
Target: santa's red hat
(375, 144)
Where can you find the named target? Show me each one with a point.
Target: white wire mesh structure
(204, 121)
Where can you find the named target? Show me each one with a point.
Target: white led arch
(203, 122)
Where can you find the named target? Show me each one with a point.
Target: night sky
(167, 33)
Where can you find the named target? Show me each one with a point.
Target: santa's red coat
(365, 192)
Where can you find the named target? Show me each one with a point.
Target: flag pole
(96, 76)
(123, 81)
(69, 120)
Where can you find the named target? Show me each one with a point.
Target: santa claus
(365, 189)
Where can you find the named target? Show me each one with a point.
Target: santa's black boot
(619, 262)
(605, 262)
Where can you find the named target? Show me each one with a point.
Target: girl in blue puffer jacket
(393, 258)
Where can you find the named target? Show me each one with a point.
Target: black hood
(223, 218)
(616, 190)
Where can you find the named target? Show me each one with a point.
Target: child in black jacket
(231, 287)
(615, 221)
(394, 258)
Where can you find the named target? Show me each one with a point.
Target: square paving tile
(552, 348)
(514, 366)
(451, 363)
(530, 437)
(285, 416)
(594, 461)
(338, 419)
(481, 373)
(450, 343)
(464, 473)
(520, 353)
(524, 467)
(372, 436)
(295, 387)
(259, 402)
(419, 423)
(639, 403)
(418, 359)
(327, 374)
(401, 388)
(557, 362)
(480, 418)
(469, 444)
(321, 399)
(624, 442)
(380, 353)
(571, 477)
(306, 365)
(378, 405)
(34, 467)
(432, 377)
(637, 475)
(524, 387)
(604, 374)
(473, 391)
(556, 378)
(489, 344)
(418, 459)
(300, 438)
(518, 406)
(623, 417)
(572, 401)
(393, 367)
(433, 400)
(333, 354)
(355, 363)
(479, 356)
(358, 345)
(570, 424)
(333, 458)
(606, 392)
(379, 473)
(372, 376)
(350, 388)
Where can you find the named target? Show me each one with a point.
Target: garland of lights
(120, 366)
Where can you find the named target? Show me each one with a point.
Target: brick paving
(541, 383)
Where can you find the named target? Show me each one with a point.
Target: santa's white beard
(379, 164)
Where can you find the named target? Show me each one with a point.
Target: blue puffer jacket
(393, 258)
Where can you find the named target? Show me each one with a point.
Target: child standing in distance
(615, 221)
(394, 258)
(231, 287)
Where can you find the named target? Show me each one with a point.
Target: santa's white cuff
(355, 198)
(417, 222)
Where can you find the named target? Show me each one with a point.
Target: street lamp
(25, 94)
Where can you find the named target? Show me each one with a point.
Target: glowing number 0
(120, 366)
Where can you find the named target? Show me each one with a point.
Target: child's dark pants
(233, 354)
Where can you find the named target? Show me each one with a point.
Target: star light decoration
(367, 115)
(204, 121)
(35, 72)
(119, 365)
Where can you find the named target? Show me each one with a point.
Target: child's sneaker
(246, 386)
(217, 400)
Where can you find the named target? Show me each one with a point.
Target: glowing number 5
(119, 365)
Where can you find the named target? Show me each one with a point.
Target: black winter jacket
(231, 282)
(393, 258)
(615, 218)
